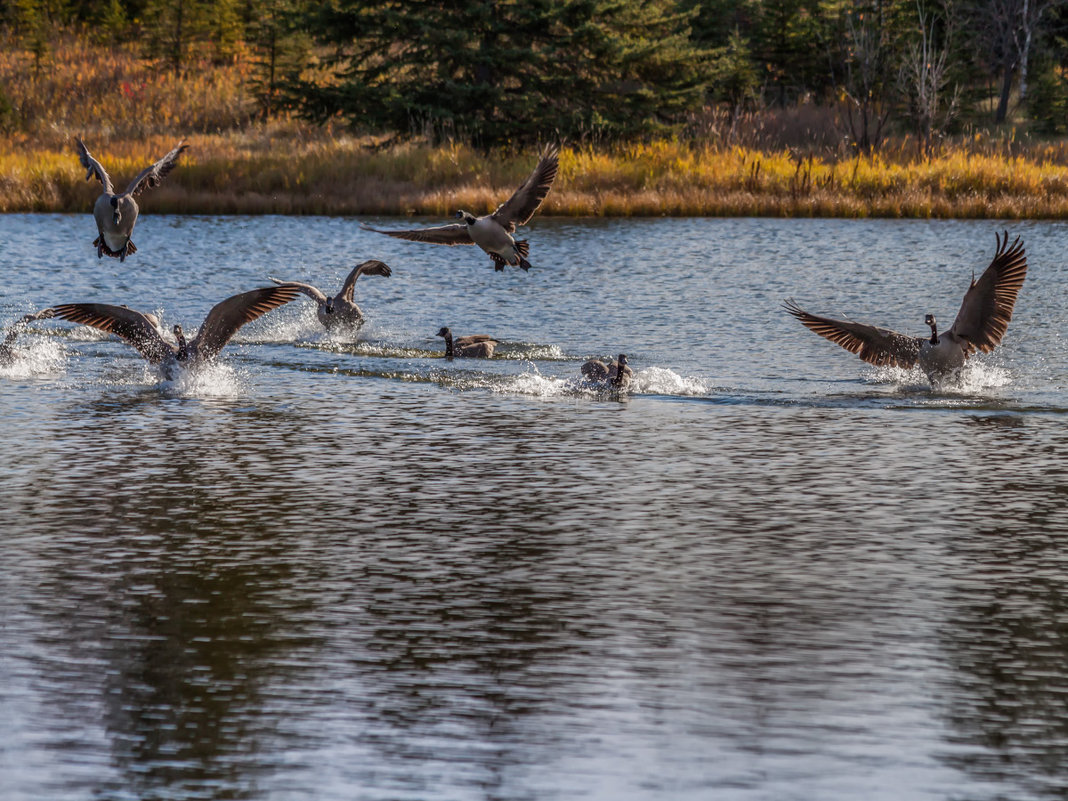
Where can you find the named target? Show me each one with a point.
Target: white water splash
(211, 380)
(649, 381)
(975, 377)
(36, 356)
(661, 381)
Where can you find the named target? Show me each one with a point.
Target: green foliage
(1048, 101)
(498, 72)
(734, 77)
(280, 50)
(171, 29)
(110, 23)
(8, 116)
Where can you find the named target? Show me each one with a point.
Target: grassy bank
(790, 162)
(290, 170)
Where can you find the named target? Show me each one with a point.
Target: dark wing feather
(93, 167)
(312, 292)
(154, 175)
(372, 267)
(878, 346)
(227, 317)
(987, 308)
(520, 207)
(455, 234)
(131, 325)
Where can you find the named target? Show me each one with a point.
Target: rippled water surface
(341, 568)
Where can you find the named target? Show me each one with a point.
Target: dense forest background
(832, 74)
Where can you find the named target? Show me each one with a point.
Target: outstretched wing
(154, 175)
(227, 317)
(93, 167)
(307, 289)
(987, 308)
(879, 346)
(134, 327)
(455, 234)
(520, 207)
(372, 267)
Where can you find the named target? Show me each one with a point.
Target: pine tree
(497, 72)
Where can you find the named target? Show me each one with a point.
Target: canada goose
(116, 214)
(142, 331)
(618, 374)
(981, 322)
(475, 346)
(340, 310)
(493, 232)
(7, 353)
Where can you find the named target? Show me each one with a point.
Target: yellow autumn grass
(130, 113)
(284, 169)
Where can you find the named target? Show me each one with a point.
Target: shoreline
(255, 173)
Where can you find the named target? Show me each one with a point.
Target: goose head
(621, 371)
(466, 216)
(183, 347)
(444, 332)
(933, 323)
(115, 205)
(329, 307)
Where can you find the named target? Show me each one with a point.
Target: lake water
(332, 569)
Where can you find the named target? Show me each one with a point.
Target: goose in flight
(7, 353)
(617, 375)
(475, 346)
(980, 324)
(493, 232)
(116, 212)
(142, 330)
(341, 311)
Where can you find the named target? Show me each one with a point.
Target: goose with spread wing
(474, 346)
(980, 324)
(142, 330)
(494, 232)
(7, 351)
(341, 310)
(116, 212)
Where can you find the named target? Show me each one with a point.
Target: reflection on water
(335, 569)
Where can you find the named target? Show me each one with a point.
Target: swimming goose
(981, 322)
(7, 353)
(475, 346)
(618, 374)
(141, 330)
(340, 310)
(116, 213)
(493, 232)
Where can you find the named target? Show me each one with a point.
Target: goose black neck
(449, 354)
(934, 334)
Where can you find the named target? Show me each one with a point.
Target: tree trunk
(1006, 87)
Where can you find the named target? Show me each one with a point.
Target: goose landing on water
(7, 352)
(981, 322)
(493, 232)
(142, 330)
(116, 213)
(616, 375)
(475, 346)
(341, 311)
